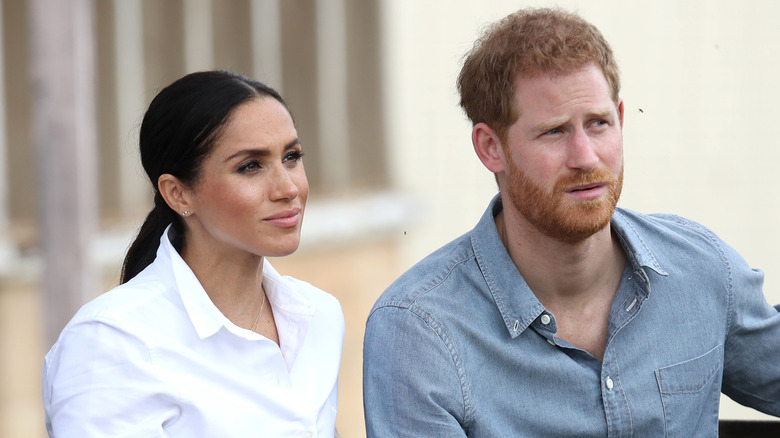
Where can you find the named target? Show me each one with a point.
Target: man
(558, 314)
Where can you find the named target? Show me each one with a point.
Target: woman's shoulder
(321, 298)
(139, 299)
(126, 320)
(304, 289)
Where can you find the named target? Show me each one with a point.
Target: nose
(284, 185)
(581, 155)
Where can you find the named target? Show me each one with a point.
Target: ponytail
(143, 250)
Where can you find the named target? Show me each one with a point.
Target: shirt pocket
(690, 393)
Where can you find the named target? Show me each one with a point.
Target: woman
(204, 337)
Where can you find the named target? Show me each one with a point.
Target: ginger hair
(526, 43)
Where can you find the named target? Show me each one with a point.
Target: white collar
(292, 308)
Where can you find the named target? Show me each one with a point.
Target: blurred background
(388, 152)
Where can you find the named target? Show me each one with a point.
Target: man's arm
(412, 377)
(751, 374)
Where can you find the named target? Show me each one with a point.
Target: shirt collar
(293, 312)
(638, 250)
(205, 316)
(517, 304)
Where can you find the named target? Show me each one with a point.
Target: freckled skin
(564, 154)
(254, 173)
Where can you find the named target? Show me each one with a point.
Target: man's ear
(488, 147)
(175, 194)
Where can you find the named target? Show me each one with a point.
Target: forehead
(261, 122)
(543, 93)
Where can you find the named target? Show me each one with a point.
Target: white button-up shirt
(155, 357)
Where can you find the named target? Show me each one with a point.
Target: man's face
(564, 154)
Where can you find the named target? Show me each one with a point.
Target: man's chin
(580, 224)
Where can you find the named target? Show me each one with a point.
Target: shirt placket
(626, 305)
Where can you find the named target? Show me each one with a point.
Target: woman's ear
(175, 194)
(488, 147)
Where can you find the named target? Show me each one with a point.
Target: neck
(577, 282)
(234, 284)
(562, 272)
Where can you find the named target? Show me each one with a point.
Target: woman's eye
(293, 156)
(249, 167)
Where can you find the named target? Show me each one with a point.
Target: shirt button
(551, 341)
(545, 319)
(610, 384)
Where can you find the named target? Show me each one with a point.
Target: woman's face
(252, 189)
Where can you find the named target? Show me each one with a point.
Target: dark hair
(178, 132)
(526, 43)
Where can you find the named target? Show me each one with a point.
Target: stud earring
(186, 213)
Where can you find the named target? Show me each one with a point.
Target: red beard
(558, 216)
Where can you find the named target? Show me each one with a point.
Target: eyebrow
(548, 126)
(262, 152)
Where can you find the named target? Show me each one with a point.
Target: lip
(587, 192)
(285, 218)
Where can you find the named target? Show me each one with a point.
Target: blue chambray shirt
(460, 346)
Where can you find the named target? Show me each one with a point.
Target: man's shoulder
(431, 275)
(668, 236)
(659, 224)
